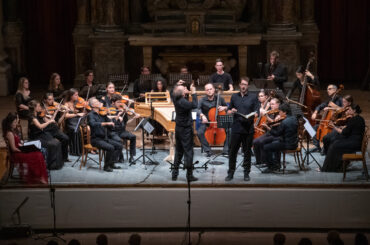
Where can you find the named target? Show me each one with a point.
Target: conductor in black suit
(275, 71)
(184, 130)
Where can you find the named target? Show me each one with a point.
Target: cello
(324, 128)
(258, 121)
(213, 134)
(309, 96)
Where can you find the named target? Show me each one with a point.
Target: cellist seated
(259, 142)
(205, 104)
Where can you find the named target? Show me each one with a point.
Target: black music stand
(173, 78)
(145, 126)
(262, 83)
(310, 134)
(223, 121)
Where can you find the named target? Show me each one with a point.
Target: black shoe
(67, 160)
(131, 159)
(191, 178)
(108, 169)
(246, 177)
(316, 149)
(268, 171)
(116, 167)
(209, 154)
(229, 176)
(121, 160)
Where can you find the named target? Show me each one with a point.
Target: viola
(213, 134)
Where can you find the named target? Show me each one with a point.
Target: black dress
(54, 158)
(20, 100)
(349, 141)
(74, 134)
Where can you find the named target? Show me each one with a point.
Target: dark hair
(52, 242)
(46, 95)
(285, 108)
(356, 108)
(262, 91)
(7, 122)
(135, 239)
(32, 105)
(300, 69)
(349, 98)
(102, 239)
(332, 236)
(69, 94)
(279, 239)
(87, 73)
(109, 83)
(305, 241)
(115, 97)
(164, 84)
(74, 242)
(210, 83)
(245, 79)
(361, 239)
(219, 60)
(275, 54)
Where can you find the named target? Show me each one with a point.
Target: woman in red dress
(31, 165)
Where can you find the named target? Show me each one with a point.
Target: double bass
(213, 134)
(324, 128)
(310, 97)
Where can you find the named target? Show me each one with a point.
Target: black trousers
(184, 147)
(54, 157)
(132, 138)
(246, 141)
(111, 147)
(63, 138)
(258, 145)
(205, 145)
(329, 139)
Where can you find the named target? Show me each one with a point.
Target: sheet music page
(311, 131)
(36, 143)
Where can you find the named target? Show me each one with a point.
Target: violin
(82, 104)
(103, 111)
(276, 122)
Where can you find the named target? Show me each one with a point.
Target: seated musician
(275, 71)
(51, 137)
(89, 78)
(262, 99)
(349, 139)
(347, 100)
(120, 121)
(51, 107)
(56, 87)
(301, 73)
(334, 100)
(286, 138)
(205, 104)
(107, 99)
(23, 97)
(258, 143)
(101, 137)
(220, 76)
(159, 86)
(141, 87)
(73, 119)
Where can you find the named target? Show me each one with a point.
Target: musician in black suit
(141, 87)
(242, 129)
(275, 71)
(89, 78)
(184, 130)
(286, 138)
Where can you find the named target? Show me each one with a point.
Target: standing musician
(141, 87)
(286, 138)
(23, 97)
(101, 138)
(120, 121)
(72, 120)
(205, 104)
(184, 130)
(333, 101)
(220, 76)
(275, 71)
(348, 140)
(268, 137)
(107, 99)
(55, 86)
(89, 78)
(340, 113)
(300, 74)
(242, 129)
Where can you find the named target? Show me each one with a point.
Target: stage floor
(159, 175)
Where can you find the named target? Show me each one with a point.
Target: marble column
(109, 16)
(5, 72)
(243, 57)
(255, 12)
(13, 39)
(308, 14)
(281, 15)
(136, 15)
(82, 44)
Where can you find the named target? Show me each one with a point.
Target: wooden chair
(87, 147)
(297, 153)
(9, 165)
(348, 158)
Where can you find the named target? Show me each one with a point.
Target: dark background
(343, 52)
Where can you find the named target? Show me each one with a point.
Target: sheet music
(311, 131)
(36, 143)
